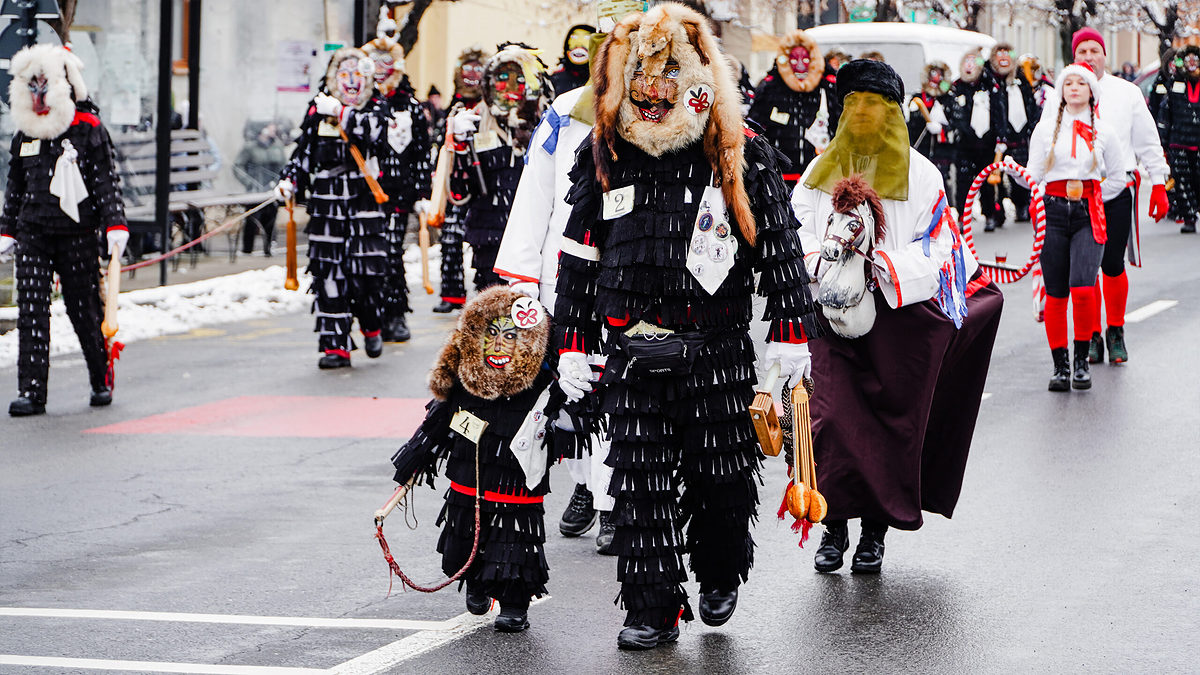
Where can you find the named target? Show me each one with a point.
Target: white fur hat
(1083, 70)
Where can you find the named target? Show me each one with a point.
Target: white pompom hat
(1083, 70)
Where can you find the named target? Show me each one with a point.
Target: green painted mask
(500, 343)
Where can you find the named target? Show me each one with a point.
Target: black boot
(642, 636)
(513, 618)
(27, 404)
(101, 397)
(478, 602)
(445, 307)
(1096, 349)
(1081, 377)
(717, 606)
(868, 557)
(331, 361)
(1188, 227)
(1115, 337)
(834, 543)
(604, 540)
(396, 330)
(373, 345)
(580, 514)
(1061, 379)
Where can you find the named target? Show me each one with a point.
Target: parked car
(1145, 79)
(906, 47)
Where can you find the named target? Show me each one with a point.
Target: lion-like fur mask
(816, 62)
(462, 358)
(376, 49)
(64, 86)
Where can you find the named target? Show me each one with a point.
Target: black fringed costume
(347, 235)
(49, 241)
(785, 115)
(499, 166)
(692, 430)
(1179, 130)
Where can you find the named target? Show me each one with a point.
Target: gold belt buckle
(1074, 190)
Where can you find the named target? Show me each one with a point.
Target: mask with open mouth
(500, 342)
(1002, 60)
(350, 77)
(799, 62)
(577, 46)
(47, 82)
(468, 76)
(654, 97)
(508, 87)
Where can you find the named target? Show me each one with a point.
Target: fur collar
(461, 359)
(64, 86)
(816, 62)
(671, 30)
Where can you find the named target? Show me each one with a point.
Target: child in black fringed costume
(347, 230)
(62, 192)
(405, 168)
(668, 125)
(488, 164)
(498, 372)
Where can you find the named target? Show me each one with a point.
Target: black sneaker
(396, 330)
(644, 637)
(1114, 337)
(332, 361)
(101, 397)
(604, 540)
(478, 602)
(445, 307)
(580, 514)
(1096, 348)
(512, 619)
(373, 345)
(26, 405)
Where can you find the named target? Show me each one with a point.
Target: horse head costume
(854, 228)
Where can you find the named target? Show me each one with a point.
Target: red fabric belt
(497, 497)
(1091, 192)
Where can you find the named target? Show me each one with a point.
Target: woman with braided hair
(1070, 155)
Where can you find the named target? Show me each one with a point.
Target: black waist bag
(668, 355)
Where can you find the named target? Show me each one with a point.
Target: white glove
(284, 190)
(794, 360)
(529, 288)
(933, 128)
(464, 124)
(7, 244)
(574, 375)
(1001, 148)
(422, 207)
(117, 239)
(328, 105)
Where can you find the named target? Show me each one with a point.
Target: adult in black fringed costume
(468, 91)
(979, 112)
(794, 104)
(499, 372)
(62, 192)
(405, 168)
(488, 162)
(934, 138)
(1179, 130)
(575, 65)
(670, 259)
(347, 229)
(1022, 114)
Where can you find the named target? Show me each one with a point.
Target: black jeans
(1070, 254)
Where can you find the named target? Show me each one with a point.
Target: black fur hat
(868, 75)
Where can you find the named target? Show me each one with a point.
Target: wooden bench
(190, 183)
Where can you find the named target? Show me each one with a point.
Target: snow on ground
(179, 308)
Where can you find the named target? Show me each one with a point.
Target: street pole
(162, 131)
(193, 121)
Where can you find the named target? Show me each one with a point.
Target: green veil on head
(872, 142)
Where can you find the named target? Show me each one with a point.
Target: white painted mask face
(354, 79)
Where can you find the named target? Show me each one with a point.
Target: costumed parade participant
(62, 193)
(794, 103)
(490, 145)
(575, 64)
(1122, 107)
(347, 228)
(528, 260)
(1179, 130)
(468, 92)
(979, 111)
(1071, 155)
(900, 373)
(405, 167)
(1166, 75)
(1023, 112)
(492, 369)
(928, 120)
(656, 273)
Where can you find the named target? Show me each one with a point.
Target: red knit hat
(1083, 35)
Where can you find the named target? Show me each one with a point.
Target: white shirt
(905, 273)
(533, 237)
(1109, 160)
(1123, 108)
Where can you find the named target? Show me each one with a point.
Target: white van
(906, 47)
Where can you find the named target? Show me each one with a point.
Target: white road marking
(310, 622)
(389, 655)
(149, 666)
(1143, 313)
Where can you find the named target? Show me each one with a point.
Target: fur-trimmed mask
(350, 77)
(1002, 61)
(971, 67)
(388, 58)
(514, 81)
(1190, 58)
(468, 73)
(497, 348)
(46, 82)
(799, 62)
(935, 78)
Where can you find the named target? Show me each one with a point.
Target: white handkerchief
(712, 247)
(1016, 107)
(67, 183)
(528, 444)
(981, 113)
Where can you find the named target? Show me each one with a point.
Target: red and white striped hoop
(1003, 273)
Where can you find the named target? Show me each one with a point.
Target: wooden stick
(383, 511)
(112, 290)
(423, 241)
(922, 108)
(292, 282)
(994, 177)
(380, 196)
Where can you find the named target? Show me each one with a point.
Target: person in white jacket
(894, 410)
(1077, 160)
(528, 260)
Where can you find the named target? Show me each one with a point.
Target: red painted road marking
(285, 416)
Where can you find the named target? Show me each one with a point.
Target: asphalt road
(211, 489)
